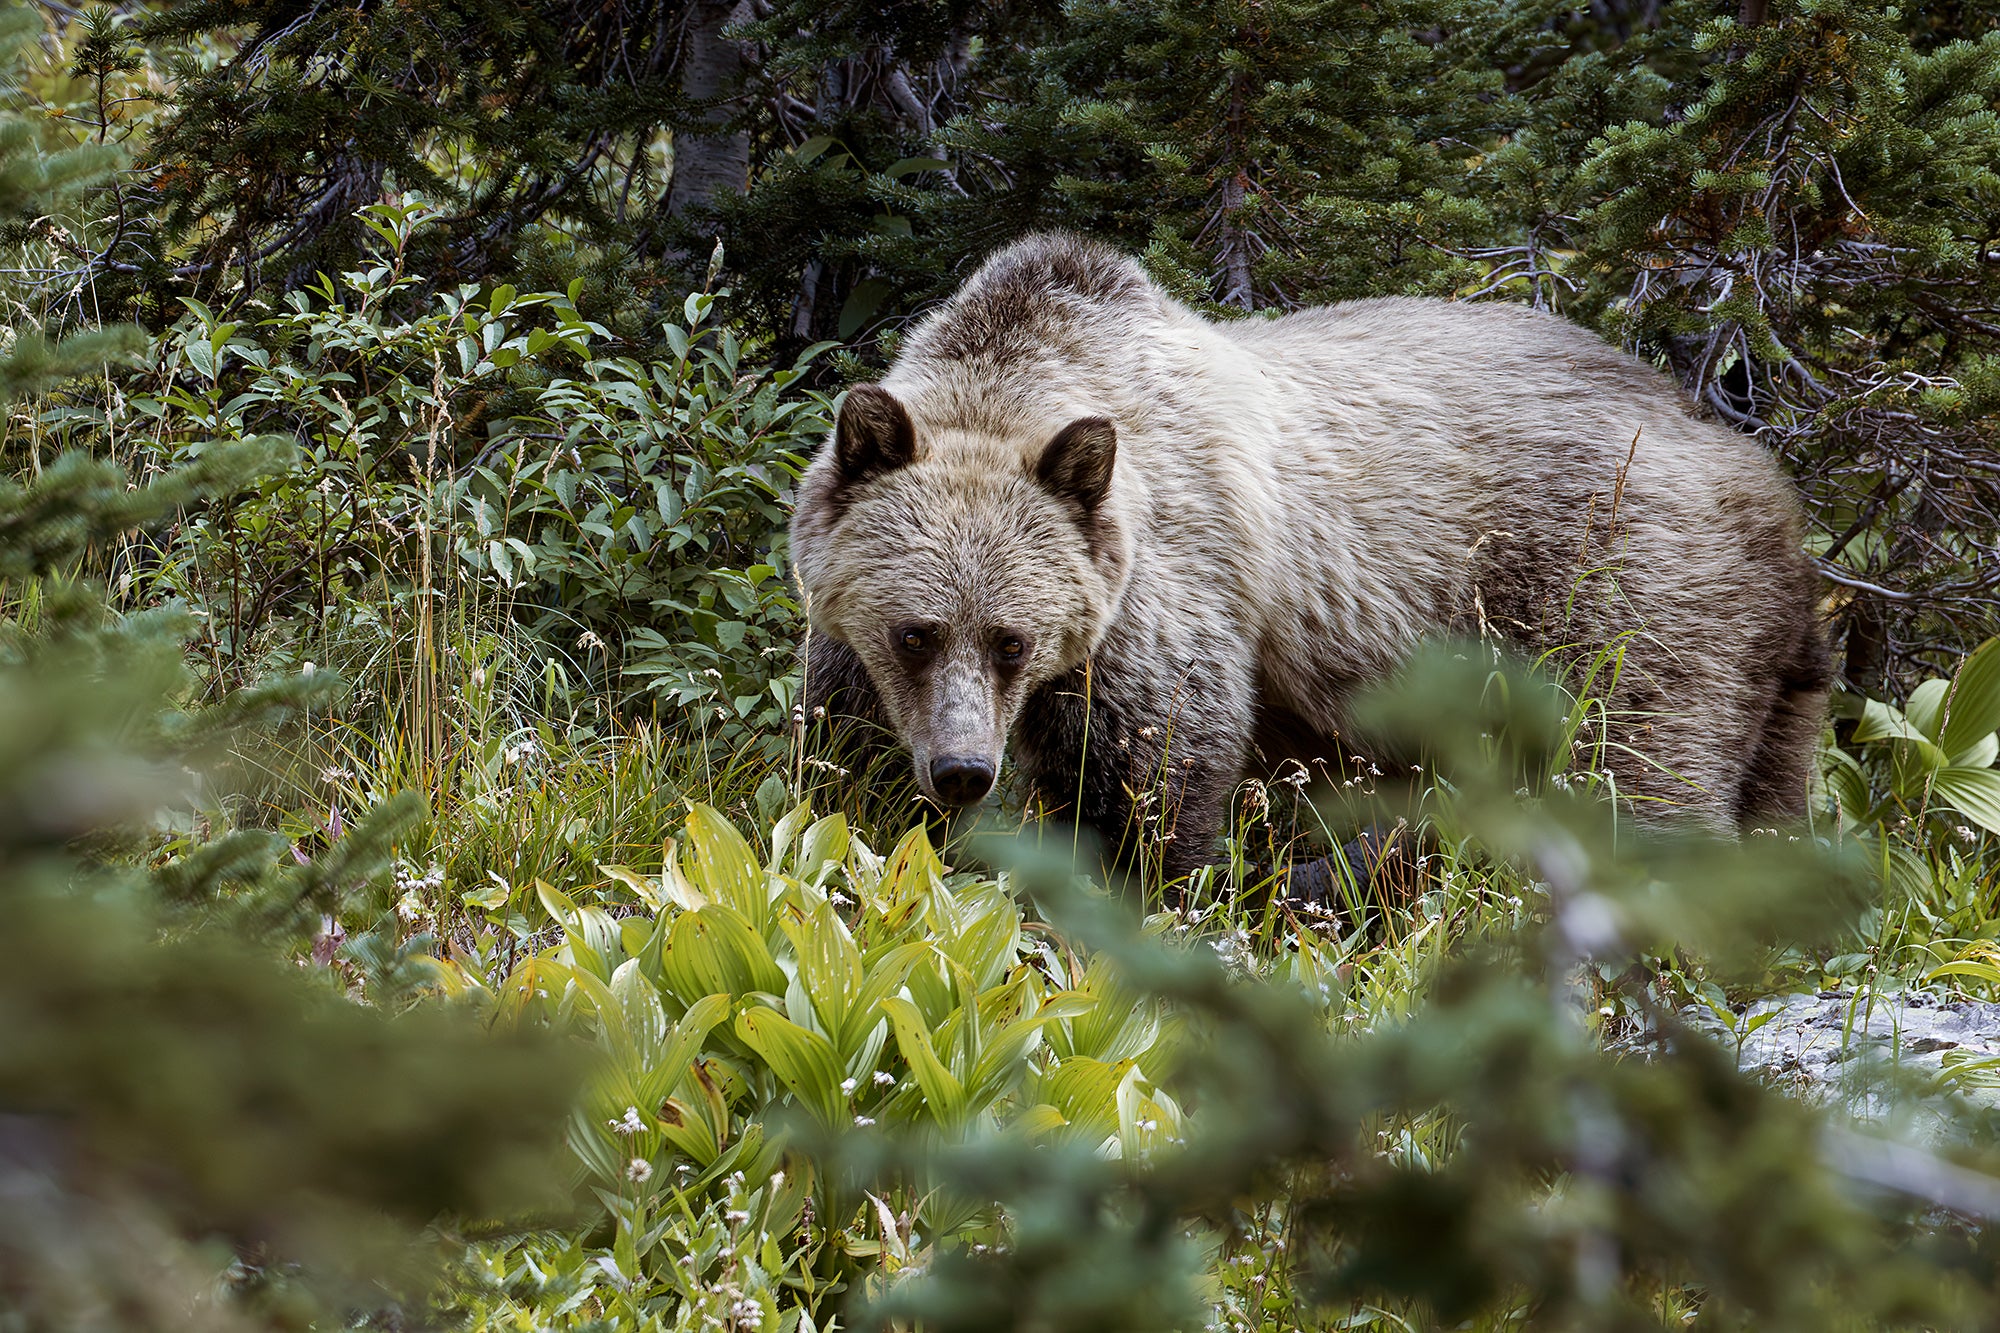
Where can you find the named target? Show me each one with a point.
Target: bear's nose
(960, 779)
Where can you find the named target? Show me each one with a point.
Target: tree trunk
(713, 160)
(1237, 287)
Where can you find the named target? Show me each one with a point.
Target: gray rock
(1858, 1049)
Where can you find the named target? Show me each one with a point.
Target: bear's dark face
(963, 577)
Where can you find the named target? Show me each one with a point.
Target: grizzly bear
(1158, 550)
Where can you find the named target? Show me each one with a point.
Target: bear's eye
(914, 640)
(1011, 649)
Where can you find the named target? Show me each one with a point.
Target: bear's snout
(960, 779)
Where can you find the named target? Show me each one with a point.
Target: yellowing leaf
(714, 951)
(648, 891)
(942, 1091)
(725, 870)
(803, 1060)
(1986, 972)
(828, 961)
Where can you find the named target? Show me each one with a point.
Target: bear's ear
(1076, 465)
(874, 435)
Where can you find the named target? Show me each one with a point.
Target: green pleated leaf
(885, 976)
(803, 1060)
(1973, 792)
(1972, 710)
(942, 1091)
(829, 964)
(714, 951)
(1925, 707)
(1842, 775)
(725, 870)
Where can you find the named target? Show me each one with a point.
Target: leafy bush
(470, 461)
(643, 504)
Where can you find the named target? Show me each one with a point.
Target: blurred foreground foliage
(193, 1131)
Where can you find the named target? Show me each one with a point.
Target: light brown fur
(1295, 503)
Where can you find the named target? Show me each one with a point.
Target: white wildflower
(638, 1170)
(884, 1078)
(847, 1086)
(629, 1123)
(863, 1121)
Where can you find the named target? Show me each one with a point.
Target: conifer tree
(1809, 243)
(34, 184)
(1281, 152)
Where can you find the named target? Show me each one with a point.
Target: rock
(1856, 1048)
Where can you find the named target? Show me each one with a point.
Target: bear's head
(965, 571)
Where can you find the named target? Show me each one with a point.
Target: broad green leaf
(1035, 1122)
(988, 943)
(1086, 1092)
(537, 977)
(907, 882)
(1965, 968)
(1842, 775)
(824, 844)
(1121, 1025)
(678, 1051)
(1003, 1058)
(943, 1093)
(639, 1007)
(862, 303)
(1912, 762)
(675, 886)
(828, 961)
(804, 1060)
(1883, 722)
(1973, 792)
(785, 833)
(1922, 710)
(590, 933)
(1147, 1117)
(610, 1015)
(1972, 711)
(725, 870)
(885, 974)
(812, 148)
(714, 951)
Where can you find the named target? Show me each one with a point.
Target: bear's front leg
(1147, 755)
